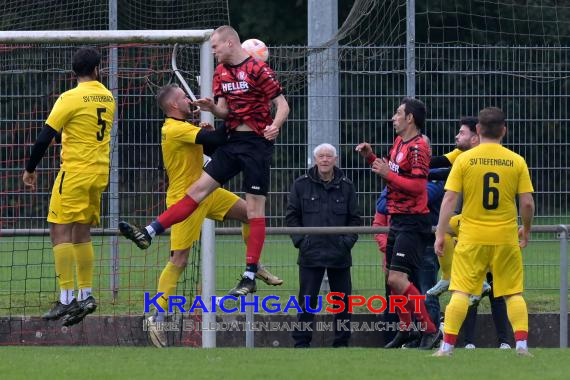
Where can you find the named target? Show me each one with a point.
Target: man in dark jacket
(323, 197)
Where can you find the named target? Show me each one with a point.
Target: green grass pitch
(327, 363)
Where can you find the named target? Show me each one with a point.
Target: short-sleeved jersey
(248, 89)
(452, 156)
(183, 158)
(490, 176)
(85, 114)
(410, 160)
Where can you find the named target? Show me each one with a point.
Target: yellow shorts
(471, 262)
(454, 224)
(215, 206)
(76, 198)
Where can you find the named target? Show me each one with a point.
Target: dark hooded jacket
(314, 203)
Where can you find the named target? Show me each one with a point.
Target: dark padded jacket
(314, 203)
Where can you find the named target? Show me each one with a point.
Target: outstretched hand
(364, 149)
(204, 104)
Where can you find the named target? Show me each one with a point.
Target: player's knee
(180, 262)
(61, 233)
(255, 206)
(395, 282)
(255, 215)
(392, 283)
(81, 233)
(255, 211)
(179, 259)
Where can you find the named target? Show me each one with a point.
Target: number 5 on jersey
(102, 123)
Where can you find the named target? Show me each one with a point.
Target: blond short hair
(226, 32)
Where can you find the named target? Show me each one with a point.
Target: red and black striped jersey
(248, 89)
(407, 181)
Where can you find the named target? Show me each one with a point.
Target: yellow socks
(518, 316)
(167, 283)
(63, 257)
(84, 258)
(455, 313)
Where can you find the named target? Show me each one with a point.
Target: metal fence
(528, 83)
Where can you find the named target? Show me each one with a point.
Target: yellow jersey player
(84, 116)
(465, 139)
(183, 145)
(490, 177)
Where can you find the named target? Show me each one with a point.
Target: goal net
(32, 76)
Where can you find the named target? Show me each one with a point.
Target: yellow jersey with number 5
(490, 176)
(85, 114)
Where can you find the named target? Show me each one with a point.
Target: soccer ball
(256, 49)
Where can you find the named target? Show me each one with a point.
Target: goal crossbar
(105, 36)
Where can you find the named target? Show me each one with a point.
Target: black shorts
(407, 241)
(245, 152)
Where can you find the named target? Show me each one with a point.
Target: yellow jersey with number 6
(85, 114)
(490, 176)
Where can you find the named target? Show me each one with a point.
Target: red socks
(421, 316)
(255, 241)
(405, 316)
(450, 339)
(178, 212)
(521, 335)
